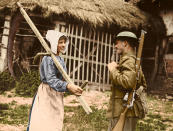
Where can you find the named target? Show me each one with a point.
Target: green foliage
(14, 115)
(4, 107)
(80, 121)
(168, 107)
(27, 84)
(152, 123)
(7, 82)
(77, 120)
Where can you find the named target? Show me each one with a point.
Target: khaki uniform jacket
(123, 80)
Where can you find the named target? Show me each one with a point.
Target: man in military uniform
(123, 77)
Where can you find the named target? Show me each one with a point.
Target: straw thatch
(134, 1)
(92, 12)
(95, 12)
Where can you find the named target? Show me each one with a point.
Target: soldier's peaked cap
(126, 34)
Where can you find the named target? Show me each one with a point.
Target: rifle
(58, 65)
(121, 121)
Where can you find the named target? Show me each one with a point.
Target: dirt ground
(94, 98)
(5, 127)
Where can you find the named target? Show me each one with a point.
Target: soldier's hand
(112, 65)
(76, 90)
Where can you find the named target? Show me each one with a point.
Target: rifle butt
(121, 121)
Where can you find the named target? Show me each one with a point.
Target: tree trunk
(13, 28)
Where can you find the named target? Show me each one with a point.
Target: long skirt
(47, 111)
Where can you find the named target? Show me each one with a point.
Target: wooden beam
(109, 56)
(94, 37)
(75, 61)
(84, 51)
(155, 68)
(101, 57)
(104, 61)
(98, 41)
(80, 43)
(89, 42)
(70, 60)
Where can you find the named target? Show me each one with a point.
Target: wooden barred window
(88, 54)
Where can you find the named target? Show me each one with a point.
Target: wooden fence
(88, 54)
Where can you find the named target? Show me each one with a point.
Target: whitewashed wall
(4, 43)
(167, 16)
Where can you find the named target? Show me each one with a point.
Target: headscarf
(53, 37)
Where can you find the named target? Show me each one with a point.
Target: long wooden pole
(46, 47)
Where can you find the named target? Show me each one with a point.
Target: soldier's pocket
(139, 109)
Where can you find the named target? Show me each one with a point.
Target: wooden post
(88, 60)
(84, 58)
(4, 43)
(162, 52)
(104, 61)
(92, 60)
(70, 62)
(101, 55)
(109, 57)
(97, 51)
(156, 58)
(80, 44)
(67, 52)
(75, 61)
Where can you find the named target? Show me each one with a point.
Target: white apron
(47, 112)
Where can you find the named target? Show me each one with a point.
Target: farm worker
(47, 111)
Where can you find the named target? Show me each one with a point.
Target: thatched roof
(93, 12)
(96, 12)
(134, 1)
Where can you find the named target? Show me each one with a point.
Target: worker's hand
(76, 90)
(112, 65)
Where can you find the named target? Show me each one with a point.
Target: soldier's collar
(129, 53)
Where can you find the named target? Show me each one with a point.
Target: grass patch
(7, 82)
(80, 121)
(169, 106)
(151, 123)
(159, 118)
(74, 101)
(76, 119)
(96, 121)
(27, 84)
(13, 114)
